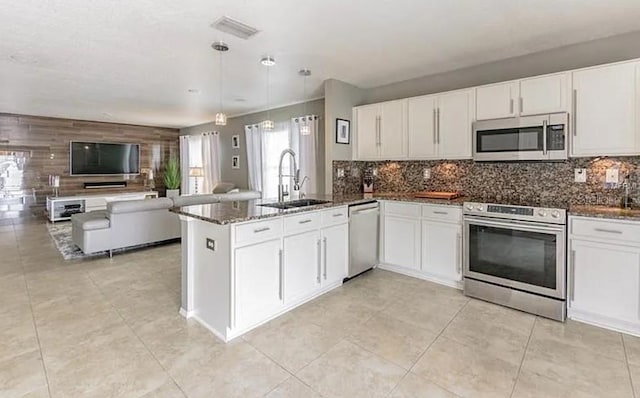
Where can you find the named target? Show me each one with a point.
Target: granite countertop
(233, 212)
(604, 212)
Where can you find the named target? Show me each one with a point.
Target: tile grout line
(626, 358)
(137, 337)
(33, 320)
(524, 356)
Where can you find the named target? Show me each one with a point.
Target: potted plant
(172, 177)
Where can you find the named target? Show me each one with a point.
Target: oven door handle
(519, 225)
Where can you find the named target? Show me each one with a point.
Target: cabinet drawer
(402, 209)
(609, 230)
(302, 222)
(334, 216)
(442, 213)
(258, 231)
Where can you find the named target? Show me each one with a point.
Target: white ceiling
(132, 61)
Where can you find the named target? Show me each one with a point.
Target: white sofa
(139, 222)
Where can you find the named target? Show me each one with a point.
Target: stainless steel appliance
(515, 256)
(363, 237)
(542, 137)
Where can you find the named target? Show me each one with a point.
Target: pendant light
(221, 117)
(305, 129)
(268, 124)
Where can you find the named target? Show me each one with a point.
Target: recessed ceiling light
(268, 61)
(234, 27)
(193, 91)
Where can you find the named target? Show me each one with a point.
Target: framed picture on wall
(235, 141)
(235, 162)
(343, 131)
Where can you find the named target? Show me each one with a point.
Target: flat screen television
(104, 158)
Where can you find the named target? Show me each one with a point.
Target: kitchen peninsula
(244, 263)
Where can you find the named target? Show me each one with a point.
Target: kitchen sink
(293, 204)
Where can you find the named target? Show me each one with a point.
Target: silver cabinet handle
(324, 273)
(574, 107)
(318, 258)
(608, 231)
(379, 130)
(544, 137)
(440, 212)
(458, 253)
(281, 273)
(435, 126)
(511, 106)
(438, 129)
(304, 221)
(520, 104)
(572, 274)
(256, 231)
(337, 215)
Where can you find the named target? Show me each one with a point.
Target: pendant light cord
(220, 93)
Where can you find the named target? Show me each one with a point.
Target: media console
(60, 208)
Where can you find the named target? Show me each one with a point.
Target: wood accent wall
(46, 142)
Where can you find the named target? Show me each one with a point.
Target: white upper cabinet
(605, 111)
(421, 115)
(496, 101)
(455, 119)
(392, 128)
(545, 94)
(367, 122)
(381, 131)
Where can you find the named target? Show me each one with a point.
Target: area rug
(61, 235)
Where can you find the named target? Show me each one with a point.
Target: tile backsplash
(533, 182)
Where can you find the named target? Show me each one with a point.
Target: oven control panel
(540, 214)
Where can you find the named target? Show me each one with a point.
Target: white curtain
(306, 147)
(253, 134)
(210, 161)
(184, 164)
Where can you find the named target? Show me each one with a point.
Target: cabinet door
(455, 118)
(302, 265)
(604, 279)
(421, 127)
(545, 94)
(258, 284)
(605, 111)
(335, 241)
(392, 130)
(402, 242)
(442, 250)
(496, 101)
(367, 119)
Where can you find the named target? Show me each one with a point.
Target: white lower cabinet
(401, 238)
(442, 250)
(302, 265)
(335, 255)
(424, 241)
(259, 289)
(604, 278)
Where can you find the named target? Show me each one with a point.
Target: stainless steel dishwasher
(363, 237)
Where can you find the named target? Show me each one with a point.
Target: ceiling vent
(234, 27)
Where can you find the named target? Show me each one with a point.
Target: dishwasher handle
(365, 211)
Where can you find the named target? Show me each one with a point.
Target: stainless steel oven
(515, 256)
(542, 137)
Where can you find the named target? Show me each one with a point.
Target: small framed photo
(343, 131)
(235, 162)
(235, 141)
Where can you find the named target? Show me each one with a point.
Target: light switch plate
(426, 173)
(340, 172)
(580, 175)
(611, 176)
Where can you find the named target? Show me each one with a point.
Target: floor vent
(234, 27)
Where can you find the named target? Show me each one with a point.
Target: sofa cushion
(239, 196)
(132, 206)
(224, 187)
(189, 200)
(91, 221)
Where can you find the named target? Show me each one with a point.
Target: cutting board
(437, 195)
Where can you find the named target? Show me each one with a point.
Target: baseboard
(210, 328)
(421, 275)
(604, 322)
(185, 313)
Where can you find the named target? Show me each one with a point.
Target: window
(273, 143)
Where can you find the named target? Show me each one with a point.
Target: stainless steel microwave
(541, 137)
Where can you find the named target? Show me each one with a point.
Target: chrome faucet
(282, 192)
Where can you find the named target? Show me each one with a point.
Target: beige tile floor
(110, 328)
